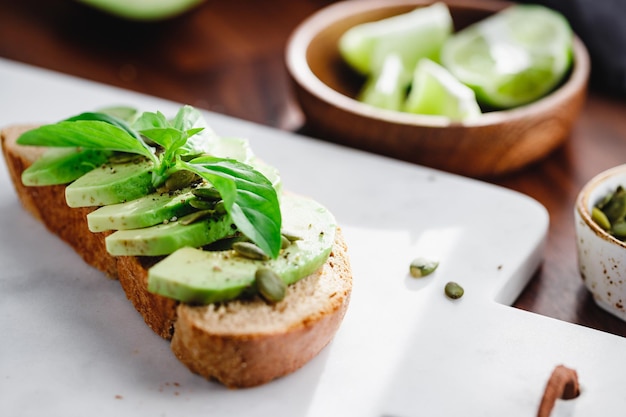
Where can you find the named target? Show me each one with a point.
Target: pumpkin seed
(269, 285)
(178, 180)
(200, 204)
(600, 218)
(250, 250)
(284, 242)
(600, 204)
(454, 290)
(123, 157)
(420, 267)
(223, 244)
(615, 209)
(219, 207)
(610, 213)
(207, 193)
(195, 217)
(619, 229)
(290, 235)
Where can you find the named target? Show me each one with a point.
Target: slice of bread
(242, 343)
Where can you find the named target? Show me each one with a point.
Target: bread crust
(258, 353)
(209, 340)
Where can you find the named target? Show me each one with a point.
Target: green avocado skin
(201, 277)
(110, 184)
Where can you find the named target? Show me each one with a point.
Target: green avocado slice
(142, 212)
(111, 184)
(166, 238)
(201, 277)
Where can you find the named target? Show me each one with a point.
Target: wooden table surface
(228, 57)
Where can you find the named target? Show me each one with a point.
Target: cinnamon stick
(563, 384)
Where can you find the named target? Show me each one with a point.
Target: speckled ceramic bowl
(601, 257)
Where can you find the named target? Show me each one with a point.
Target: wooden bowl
(494, 144)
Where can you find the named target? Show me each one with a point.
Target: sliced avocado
(141, 212)
(126, 113)
(270, 173)
(232, 148)
(62, 166)
(111, 184)
(196, 276)
(166, 238)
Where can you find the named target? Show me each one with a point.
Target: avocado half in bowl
(143, 10)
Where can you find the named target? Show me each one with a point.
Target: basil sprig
(245, 198)
(249, 197)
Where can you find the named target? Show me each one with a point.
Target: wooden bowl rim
(301, 38)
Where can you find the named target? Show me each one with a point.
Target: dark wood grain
(228, 57)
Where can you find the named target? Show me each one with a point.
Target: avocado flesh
(142, 212)
(111, 184)
(202, 277)
(62, 166)
(166, 238)
(232, 148)
(155, 208)
(269, 172)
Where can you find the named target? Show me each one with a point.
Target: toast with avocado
(247, 282)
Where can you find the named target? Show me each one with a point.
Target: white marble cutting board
(74, 346)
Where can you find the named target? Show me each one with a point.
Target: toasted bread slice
(241, 343)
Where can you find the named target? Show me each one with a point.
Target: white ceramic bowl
(601, 257)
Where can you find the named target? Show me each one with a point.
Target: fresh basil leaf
(248, 197)
(105, 117)
(174, 135)
(109, 117)
(87, 134)
(193, 131)
(167, 137)
(172, 141)
(187, 118)
(149, 120)
(190, 119)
